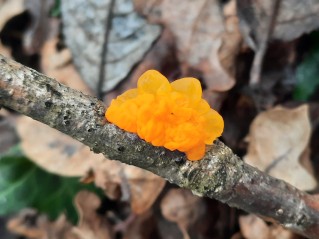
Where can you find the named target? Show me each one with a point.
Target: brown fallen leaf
(9, 9)
(205, 41)
(30, 224)
(5, 51)
(38, 30)
(294, 18)
(60, 154)
(252, 227)
(128, 38)
(8, 135)
(277, 139)
(278, 232)
(182, 207)
(58, 63)
(138, 186)
(91, 225)
(237, 235)
(53, 150)
(143, 226)
(160, 57)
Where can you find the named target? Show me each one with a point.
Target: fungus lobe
(173, 115)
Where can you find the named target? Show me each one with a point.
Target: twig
(220, 174)
(104, 53)
(256, 68)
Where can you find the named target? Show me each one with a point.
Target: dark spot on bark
(3, 60)
(66, 122)
(179, 160)
(48, 104)
(20, 101)
(96, 150)
(82, 112)
(3, 93)
(301, 220)
(121, 149)
(65, 117)
(92, 104)
(90, 130)
(52, 90)
(193, 175)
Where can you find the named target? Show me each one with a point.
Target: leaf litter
(211, 40)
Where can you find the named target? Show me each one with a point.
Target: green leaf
(307, 73)
(56, 10)
(23, 184)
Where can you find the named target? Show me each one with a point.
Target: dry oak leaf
(91, 225)
(138, 186)
(60, 154)
(182, 207)
(58, 64)
(10, 9)
(5, 51)
(252, 227)
(294, 18)
(277, 139)
(143, 226)
(53, 150)
(30, 224)
(206, 33)
(9, 137)
(39, 28)
(129, 38)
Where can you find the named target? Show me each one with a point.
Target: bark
(220, 174)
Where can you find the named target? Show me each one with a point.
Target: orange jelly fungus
(171, 115)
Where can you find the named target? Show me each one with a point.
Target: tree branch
(220, 175)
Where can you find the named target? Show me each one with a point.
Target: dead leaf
(277, 139)
(138, 186)
(53, 150)
(182, 207)
(294, 19)
(278, 232)
(9, 9)
(58, 64)
(130, 37)
(160, 57)
(143, 226)
(38, 30)
(252, 227)
(60, 154)
(204, 41)
(31, 224)
(91, 224)
(237, 235)
(9, 137)
(5, 51)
